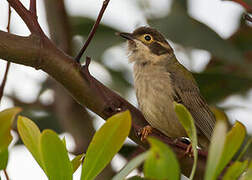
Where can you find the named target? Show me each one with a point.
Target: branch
(27, 16)
(93, 30)
(33, 8)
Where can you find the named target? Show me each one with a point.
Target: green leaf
(106, 142)
(4, 158)
(234, 140)
(55, 157)
(179, 27)
(30, 135)
(215, 150)
(249, 141)
(124, 172)
(248, 174)
(216, 85)
(6, 119)
(76, 162)
(161, 162)
(235, 170)
(187, 121)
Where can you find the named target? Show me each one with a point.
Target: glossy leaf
(76, 162)
(187, 121)
(130, 166)
(161, 162)
(234, 140)
(106, 142)
(215, 150)
(179, 27)
(55, 157)
(4, 158)
(30, 135)
(235, 170)
(6, 119)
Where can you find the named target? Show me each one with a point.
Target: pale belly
(155, 100)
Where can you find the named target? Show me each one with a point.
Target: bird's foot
(189, 151)
(144, 132)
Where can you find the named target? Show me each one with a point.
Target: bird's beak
(128, 36)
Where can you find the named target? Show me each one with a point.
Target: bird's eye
(147, 37)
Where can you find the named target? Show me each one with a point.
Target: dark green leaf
(106, 142)
(215, 86)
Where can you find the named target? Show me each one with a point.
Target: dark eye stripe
(147, 38)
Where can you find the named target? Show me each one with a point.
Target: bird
(159, 81)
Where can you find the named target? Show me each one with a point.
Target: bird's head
(146, 44)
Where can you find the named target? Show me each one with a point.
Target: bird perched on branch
(159, 80)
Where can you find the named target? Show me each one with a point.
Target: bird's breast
(155, 98)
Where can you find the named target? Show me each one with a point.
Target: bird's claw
(144, 132)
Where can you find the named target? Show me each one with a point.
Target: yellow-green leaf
(106, 142)
(161, 162)
(55, 157)
(235, 170)
(76, 162)
(232, 144)
(6, 119)
(3, 158)
(30, 135)
(248, 174)
(215, 150)
(137, 161)
(187, 121)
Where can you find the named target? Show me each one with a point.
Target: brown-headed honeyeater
(159, 80)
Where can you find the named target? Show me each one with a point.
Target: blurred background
(210, 38)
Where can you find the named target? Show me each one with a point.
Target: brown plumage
(159, 80)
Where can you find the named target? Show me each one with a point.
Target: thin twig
(27, 17)
(33, 8)
(6, 174)
(9, 17)
(8, 63)
(93, 30)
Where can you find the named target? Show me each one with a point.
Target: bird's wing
(187, 93)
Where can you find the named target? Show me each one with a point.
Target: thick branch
(84, 88)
